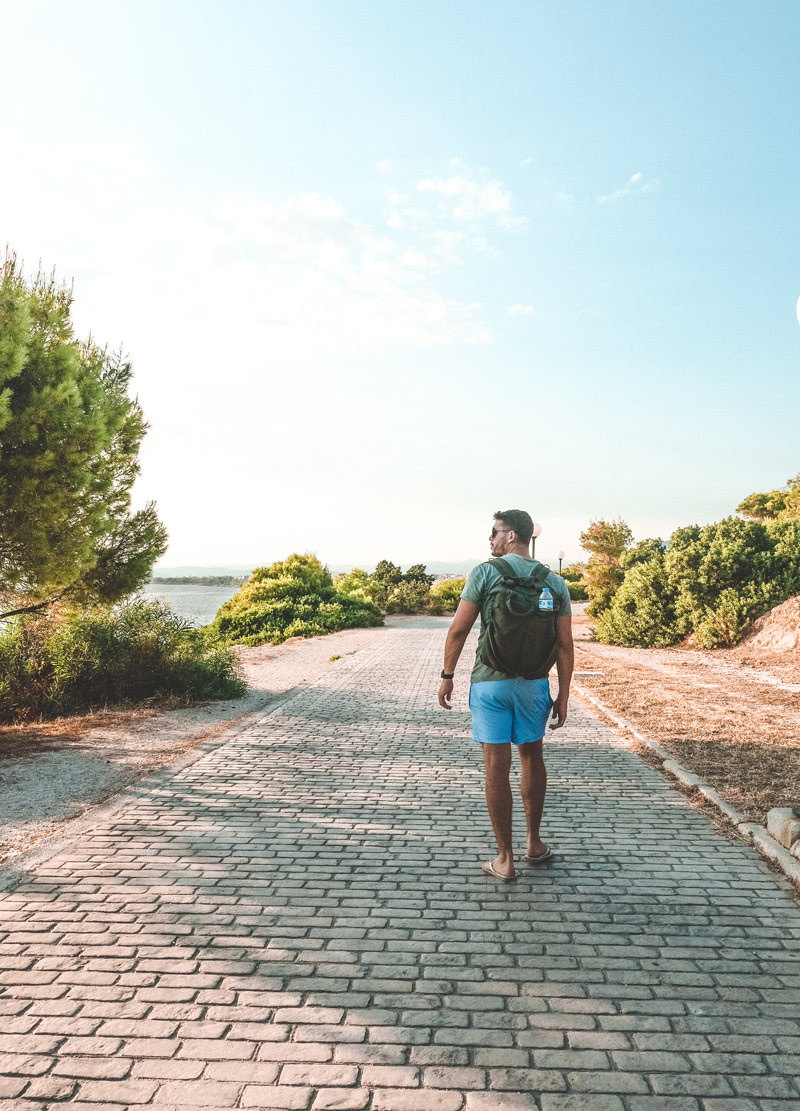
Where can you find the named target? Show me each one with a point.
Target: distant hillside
(160, 572)
(435, 567)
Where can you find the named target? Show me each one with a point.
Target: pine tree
(69, 454)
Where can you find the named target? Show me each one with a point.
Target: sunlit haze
(383, 269)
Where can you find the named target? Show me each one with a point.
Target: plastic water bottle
(546, 601)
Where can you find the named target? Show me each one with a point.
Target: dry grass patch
(715, 712)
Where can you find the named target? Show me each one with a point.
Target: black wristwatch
(446, 676)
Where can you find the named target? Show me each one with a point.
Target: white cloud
(520, 310)
(526, 162)
(466, 200)
(637, 183)
(303, 268)
(385, 166)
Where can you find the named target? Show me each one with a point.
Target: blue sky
(383, 268)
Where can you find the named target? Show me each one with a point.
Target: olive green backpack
(519, 638)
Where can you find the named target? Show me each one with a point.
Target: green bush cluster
(396, 591)
(295, 597)
(446, 594)
(85, 659)
(575, 577)
(711, 581)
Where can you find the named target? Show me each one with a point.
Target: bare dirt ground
(730, 715)
(52, 772)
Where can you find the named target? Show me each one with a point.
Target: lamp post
(537, 531)
(560, 557)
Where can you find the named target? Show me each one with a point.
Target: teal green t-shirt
(476, 589)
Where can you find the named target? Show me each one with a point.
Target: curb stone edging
(750, 831)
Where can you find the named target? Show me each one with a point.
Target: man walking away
(526, 625)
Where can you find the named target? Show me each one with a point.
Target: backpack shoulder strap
(505, 568)
(539, 573)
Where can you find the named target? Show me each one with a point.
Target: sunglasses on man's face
(496, 530)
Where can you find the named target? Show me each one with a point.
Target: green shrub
(409, 597)
(642, 613)
(712, 581)
(578, 591)
(360, 584)
(85, 659)
(295, 597)
(446, 594)
(391, 589)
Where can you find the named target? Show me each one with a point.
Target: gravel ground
(53, 772)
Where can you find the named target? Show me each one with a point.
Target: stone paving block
(369, 1054)
(597, 1039)
(570, 1059)
(690, 1084)
(12, 1086)
(390, 1076)
(292, 1051)
(578, 1102)
(244, 1072)
(775, 1087)
(165, 1069)
(625, 1083)
(328, 1034)
(150, 1047)
(527, 1080)
(501, 1101)
(27, 1044)
(338, 1099)
(453, 1077)
(24, 1064)
(727, 1063)
(93, 1046)
(651, 1061)
(254, 1095)
(319, 1075)
(501, 1058)
(222, 1050)
(405, 1099)
(51, 1088)
(735, 1105)
(92, 1068)
(663, 1103)
(117, 1091)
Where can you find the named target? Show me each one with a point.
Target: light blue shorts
(513, 710)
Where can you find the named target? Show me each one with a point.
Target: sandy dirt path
(54, 772)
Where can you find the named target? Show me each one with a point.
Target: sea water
(198, 604)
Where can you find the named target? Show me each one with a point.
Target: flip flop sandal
(489, 869)
(541, 858)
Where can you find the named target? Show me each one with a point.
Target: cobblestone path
(298, 920)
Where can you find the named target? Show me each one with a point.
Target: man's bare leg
(533, 786)
(497, 761)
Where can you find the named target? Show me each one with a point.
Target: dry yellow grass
(720, 714)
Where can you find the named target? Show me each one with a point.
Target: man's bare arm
(565, 662)
(457, 634)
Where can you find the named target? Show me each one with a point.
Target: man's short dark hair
(518, 521)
